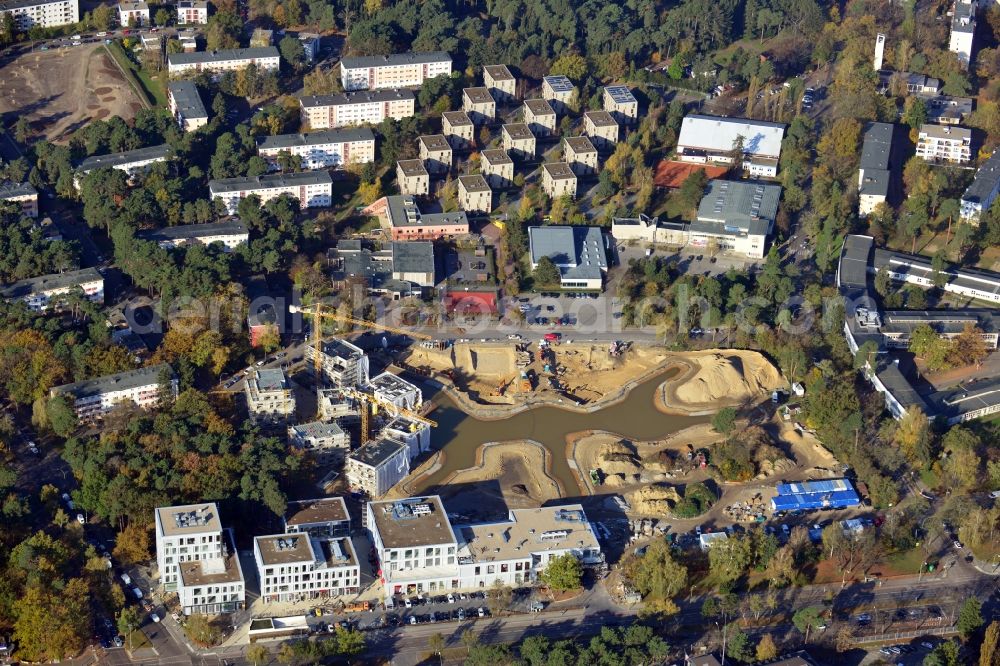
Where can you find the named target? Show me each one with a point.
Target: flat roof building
(42, 13)
(294, 567)
(540, 117)
(602, 129)
(811, 495)
(312, 189)
(356, 108)
(412, 178)
(230, 234)
(737, 216)
(710, 139)
(581, 155)
(342, 363)
(578, 252)
(23, 194)
(401, 216)
(946, 109)
(944, 143)
(560, 91)
(93, 398)
(186, 106)
(264, 58)
(415, 545)
(323, 517)
(436, 153)
(874, 174)
(397, 70)
(130, 161)
(518, 141)
(621, 104)
(500, 82)
(474, 194)
(45, 291)
(459, 128)
(269, 396)
(963, 30)
(497, 167)
(558, 180)
(326, 149)
(914, 269)
(480, 105)
(324, 442)
(400, 269)
(983, 191)
(377, 466)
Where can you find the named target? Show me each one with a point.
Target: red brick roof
(673, 174)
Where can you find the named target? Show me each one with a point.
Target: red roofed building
(471, 302)
(672, 175)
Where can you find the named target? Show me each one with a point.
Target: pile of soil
(727, 378)
(654, 500)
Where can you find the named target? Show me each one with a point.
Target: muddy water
(635, 417)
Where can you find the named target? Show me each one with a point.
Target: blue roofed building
(812, 495)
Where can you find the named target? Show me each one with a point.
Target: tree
(62, 416)
(162, 17)
(724, 420)
(944, 654)
(223, 31)
(728, 559)
(52, 625)
(292, 51)
(435, 643)
(256, 654)
(546, 273)
(348, 642)
(738, 644)
(970, 618)
(692, 189)
(101, 17)
(128, 621)
(657, 573)
(808, 618)
(498, 597)
(571, 65)
(988, 651)
(132, 544)
(563, 573)
(766, 649)
(202, 632)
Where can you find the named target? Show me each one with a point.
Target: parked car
(154, 617)
(137, 592)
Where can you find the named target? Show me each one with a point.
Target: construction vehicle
(502, 386)
(526, 384)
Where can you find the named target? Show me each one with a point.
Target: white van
(126, 579)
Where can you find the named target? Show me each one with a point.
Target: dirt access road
(61, 90)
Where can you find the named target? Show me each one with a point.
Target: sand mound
(727, 378)
(618, 458)
(654, 500)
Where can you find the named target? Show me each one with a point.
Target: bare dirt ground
(718, 378)
(62, 89)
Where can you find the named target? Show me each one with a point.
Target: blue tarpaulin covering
(807, 495)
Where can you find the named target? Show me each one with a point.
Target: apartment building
(296, 567)
(874, 173)
(580, 154)
(269, 396)
(711, 139)
(479, 104)
(540, 117)
(356, 108)
(963, 29)
(265, 58)
(500, 82)
(474, 194)
(560, 91)
(458, 127)
(497, 167)
(518, 141)
(377, 466)
(391, 389)
(325, 517)
(48, 291)
(918, 270)
(133, 13)
(327, 149)
(415, 545)
(558, 179)
(946, 109)
(944, 143)
(326, 443)
(515, 551)
(579, 253)
(399, 70)
(130, 161)
(983, 191)
(312, 189)
(436, 153)
(621, 104)
(311, 44)
(28, 14)
(231, 234)
(602, 129)
(341, 363)
(197, 559)
(186, 106)
(736, 216)
(93, 398)
(401, 216)
(22, 194)
(412, 178)
(192, 12)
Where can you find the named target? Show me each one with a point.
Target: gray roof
(941, 321)
(42, 283)
(359, 97)
(579, 252)
(413, 257)
(122, 381)
(899, 386)
(499, 72)
(745, 206)
(478, 95)
(456, 118)
(539, 107)
(946, 132)
(875, 182)
(496, 156)
(967, 278)
(559, 171)
(187, 99)
(358, 62)
(968, 397)
(946, 107)
(317, 429)
(10, 189)
(559, 83)
(223, 55)
(580, 144)
(160, 152)
(376, 452)
(269, 181)
(412, 168)
(474, 183)
(986, 181)
(964, 18)
(435, 142)
(341, 135)
(601, 118)
(271, 379)
(7, 5)
(620, 94)
(403, 212)
(877, 146)
(719, 134)
(189, 231)
(518, 131)
(854, 258)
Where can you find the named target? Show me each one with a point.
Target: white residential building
(343, 364)
(500, 82)
(44, 14)
(265, 58)
(983, 191)
(480, 105)
(197, 559)
(963, 29)
(326, 443)
(558, 180)
(22, 194)
(323, 517)
(186, 106)
(560, 91)
(327, 149)
(269, 396)
(44, 292)
(130, 161)
(944, 143)
(393, 71)
(230, 234)
(296, 567)
(712, 139)
(192, 12)
(133, 13)
(356, 108)
(497, 167)
(377, 466)
(436, 153)
(93, 398)
(621, 104)
(474, 194)
(458, 128)
(874, 173)
(312, 189)
(393, 389)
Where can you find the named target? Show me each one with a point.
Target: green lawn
(150, 86)
(907, 562)
(138, 641)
